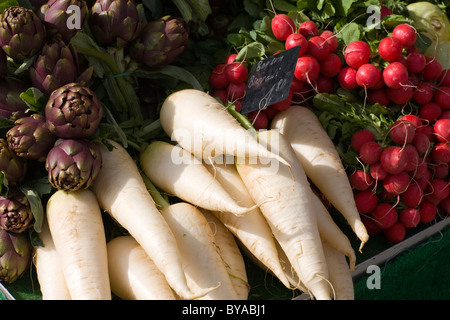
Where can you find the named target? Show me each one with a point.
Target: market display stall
(222, 149)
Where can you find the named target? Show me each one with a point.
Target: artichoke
(14, 168)
(73, 164)
(15, 255)
(160, 42)
(56, 66)
(115, 22)
(22, 33)
(30, 137)
(73, 111)
(15, 212)
(3, 63)
(61, 20)
(11, 105)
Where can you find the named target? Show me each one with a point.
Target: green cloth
(420, 273)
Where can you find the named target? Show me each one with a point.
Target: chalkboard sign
(269, 80)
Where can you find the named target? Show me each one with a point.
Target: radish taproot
(251, 229)
(133, 275)
(122, 193)
(230, 254)
(321, 162)
(76, 225)
(177, 172)
(48, 268)
(202, 263)
(286, 203)
(203, 126)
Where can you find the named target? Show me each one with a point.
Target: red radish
(442, 130)
(236, 72)
(387, 196)
(414, 79)
(371, 225)
(284, 104)
(360, 137)
(258, 119)
(366, 201)
(440, 153)
(445, 205)
(368, 75)
(441, 171)
(427, 211)
(378, 96)
(318, 48)
(410, 217)
(445, 114)
(396, 183)
(357, 53)
(324, 84)
(400, 95)
(432, 199)
(393, 159)
(415, 120)
(308, 29)
(307, 69)
(236, 91)
(395, 75)
(423, 93)
(270, 112)
(430, 111)
(402, 132)
(330, 65)
(422, 174)
(218, 78)
(412, 156)
(360, 180)
(377, 172)
(432, 70)
(370, 152)
(390, 49)
(385, 215)
(396, 233)
(231, 58)
(297, 85)
(221, 94)
(415, 62)
(444, 78)
(296, 39)
(347, 78)
(442, 97)
(406, 34)
(402, 60)
(440, 188)
(331, 38)
(384, 11)
(413, 195)
(282, 26)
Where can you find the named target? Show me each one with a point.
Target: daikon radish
(202, 263)
(179, 173)
(339, 273)
(330, 232)
(231, 255)
(132, 274)
(202, 125)
(122, 193)
(286, 203)
(252, 228)
(321, 162)
(76, 225)
(48, 268)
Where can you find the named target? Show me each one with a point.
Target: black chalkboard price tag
(269, 80)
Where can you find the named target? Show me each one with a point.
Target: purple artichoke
(73, 164)
(56, 66)
(3, 63)
(58, 17)
(22, 33)
(15, 255)
(11, 105)
(73, 111)
(15, 212)
(161, 42)
(13, 167)
(115, 22)
(30, 137)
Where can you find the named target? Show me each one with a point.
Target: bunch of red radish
(316, 69)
